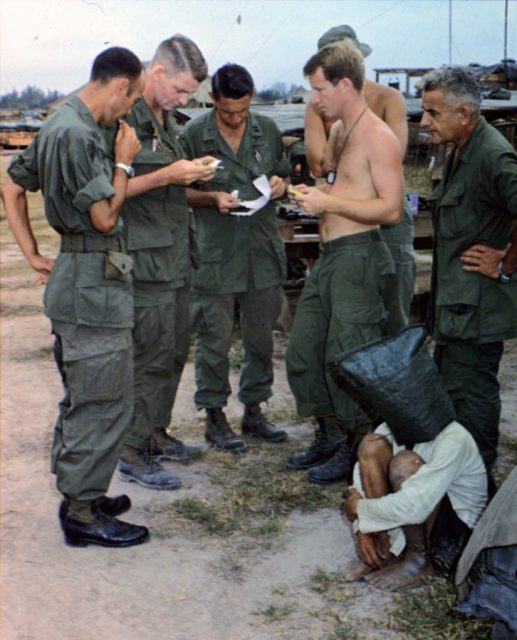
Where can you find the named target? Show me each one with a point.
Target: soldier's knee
(402, 466)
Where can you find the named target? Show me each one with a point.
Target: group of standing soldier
(135, 274)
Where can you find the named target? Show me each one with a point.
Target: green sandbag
(398, 379)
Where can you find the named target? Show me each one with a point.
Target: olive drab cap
(343, 32)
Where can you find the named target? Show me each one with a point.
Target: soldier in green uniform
(473, 294)
(242, 256)
(324, 138)
(157, 235)
(88, 296)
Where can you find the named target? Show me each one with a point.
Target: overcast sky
(51, 43)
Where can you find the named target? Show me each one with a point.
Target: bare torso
(353, 178)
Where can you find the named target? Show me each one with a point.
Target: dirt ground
(179, 586)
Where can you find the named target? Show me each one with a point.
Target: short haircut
(232, 81)
(180, 54)
(116, 62)
(337, 61)
(458, 85)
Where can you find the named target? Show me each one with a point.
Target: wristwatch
(503, 278)
(125, 167)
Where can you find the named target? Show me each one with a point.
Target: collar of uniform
(210, 130)
(471, 146)
(142, 112)
(76, 103)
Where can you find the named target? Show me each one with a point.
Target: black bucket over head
(398, 379)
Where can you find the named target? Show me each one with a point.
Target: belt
(364, 237)
(82, 243)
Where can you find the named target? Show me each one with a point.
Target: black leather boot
(219, 434)
(327, 440)
(255, 424)
(339, 467)
(109, 506)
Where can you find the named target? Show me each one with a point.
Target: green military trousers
(398, 288)
(96, 367)
(212, 319)
(161, 344)
(340, 308)
(470, 375)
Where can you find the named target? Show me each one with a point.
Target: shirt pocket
(456, 217)
(208, 275)
(98, 301)
(457, 307)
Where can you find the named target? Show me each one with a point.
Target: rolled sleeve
(23, 170)
(100, 188)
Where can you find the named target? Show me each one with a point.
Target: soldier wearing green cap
(242, 256)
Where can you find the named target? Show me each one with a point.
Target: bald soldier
(324, 135)
(341, 305)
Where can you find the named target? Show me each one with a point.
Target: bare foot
(405, 573)
(357, 571)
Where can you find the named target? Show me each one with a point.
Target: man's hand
(278, 187)
(369, 550)
(310, 199)
(185, 172)
(482, 259)
(225, 202)
(209, 163)
(42, 265)
(349, 505)
(127, 144)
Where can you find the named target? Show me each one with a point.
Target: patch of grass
(343, 632)
(427, 615)
(255, 494)
(21, 310)
(506, 458)
(321, 580)
(276, 611)
(42, 352)
(236, 355)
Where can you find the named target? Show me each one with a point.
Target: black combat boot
(219, 434)
(109, 506)
(339, 467)
(138, 466)
(166, 447)
(254, 424)
(327, 440)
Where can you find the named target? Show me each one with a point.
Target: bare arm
(17, 211)
(219, 199)
(396, 118)
(105, 213)
(315, 140)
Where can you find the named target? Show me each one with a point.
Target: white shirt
(453, 466)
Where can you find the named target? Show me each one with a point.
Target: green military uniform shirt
(71, 163)
(476, 202)
(156, 222)
(238, 252)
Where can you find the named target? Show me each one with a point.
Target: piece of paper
(261, 184)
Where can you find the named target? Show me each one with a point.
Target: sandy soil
(171, 588)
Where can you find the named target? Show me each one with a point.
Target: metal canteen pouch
(399, 380)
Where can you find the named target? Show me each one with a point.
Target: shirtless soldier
(341, 305)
